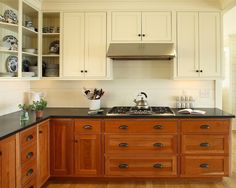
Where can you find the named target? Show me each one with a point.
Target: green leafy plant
(39, 105)
(24, 107)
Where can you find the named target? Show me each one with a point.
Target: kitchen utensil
(141, 103)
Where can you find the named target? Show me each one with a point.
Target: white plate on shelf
(30, 50)
(28, 74)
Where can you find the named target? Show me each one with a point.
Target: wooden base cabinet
(43, 153)
(8, 162)
(205, 150)
(141, 148)
(61, 143)
(87, 147)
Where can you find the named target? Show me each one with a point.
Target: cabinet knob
(204, 165)
(123, 145)
(76, 141)
(143, 35)
(30, 172)
(123, 127)
(29, 138)
(87, 126)
(197, 70)
(123, 165)
(0, 153)
(201, 70)
(158, 165)
(157, 126)
(29, 155)
(205, 145)
(81, 71)
(40, 132)
(85, 71)
(158, 145)
(139, 35)
(205, 126)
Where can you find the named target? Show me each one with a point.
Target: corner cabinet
(198, 45)
(84, 45)
(141, 26)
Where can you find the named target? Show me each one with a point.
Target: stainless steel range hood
(141, 51)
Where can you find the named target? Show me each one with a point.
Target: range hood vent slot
(141, 51)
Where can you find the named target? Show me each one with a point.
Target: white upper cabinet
(156, 26)
(84, 45)
(126, 26)
(95, 45)
(198, 45)
(187, 44)
(141, 26)
(73, 44)
(209, 44)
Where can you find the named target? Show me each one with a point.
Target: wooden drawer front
(204, 166)
(140, 126)
(140, 143)
(196, 144)
(87, 126)
(137, 167)
(28, 137)
(29, 154)
(28, 172)
(31, 184)
(204, 126)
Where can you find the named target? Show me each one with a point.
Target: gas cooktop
(152, 111)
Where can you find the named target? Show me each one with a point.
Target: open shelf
(9, 26)
(30, 54)
(51, 55)
(9, 51)
(29, 32)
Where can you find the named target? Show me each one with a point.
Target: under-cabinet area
(116, 148)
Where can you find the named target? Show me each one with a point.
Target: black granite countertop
(11, 124)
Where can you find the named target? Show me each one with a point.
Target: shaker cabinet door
(156, 26)
(95, 45)
(209, 44)
(8, 162)
(73, 45)
(126, 26)
(187, 44)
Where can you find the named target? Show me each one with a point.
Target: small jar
(24, 116)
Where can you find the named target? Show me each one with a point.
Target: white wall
(12, 93)
(129, 79)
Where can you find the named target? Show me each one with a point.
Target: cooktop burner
(128, 110)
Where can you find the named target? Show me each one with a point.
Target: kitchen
(162, 80)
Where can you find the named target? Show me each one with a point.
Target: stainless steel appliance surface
(152, 111)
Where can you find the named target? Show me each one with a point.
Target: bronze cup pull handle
(30, 172)
(158, 165)
(158, 127)
(158, 145)
(204, 165)
(123, 165)
(123, 145)
(29, 138)
(87, 126)
(124, 127)
(205, 126)
(205, 145)
(29, 155)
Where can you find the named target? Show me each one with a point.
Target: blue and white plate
(12, 63)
